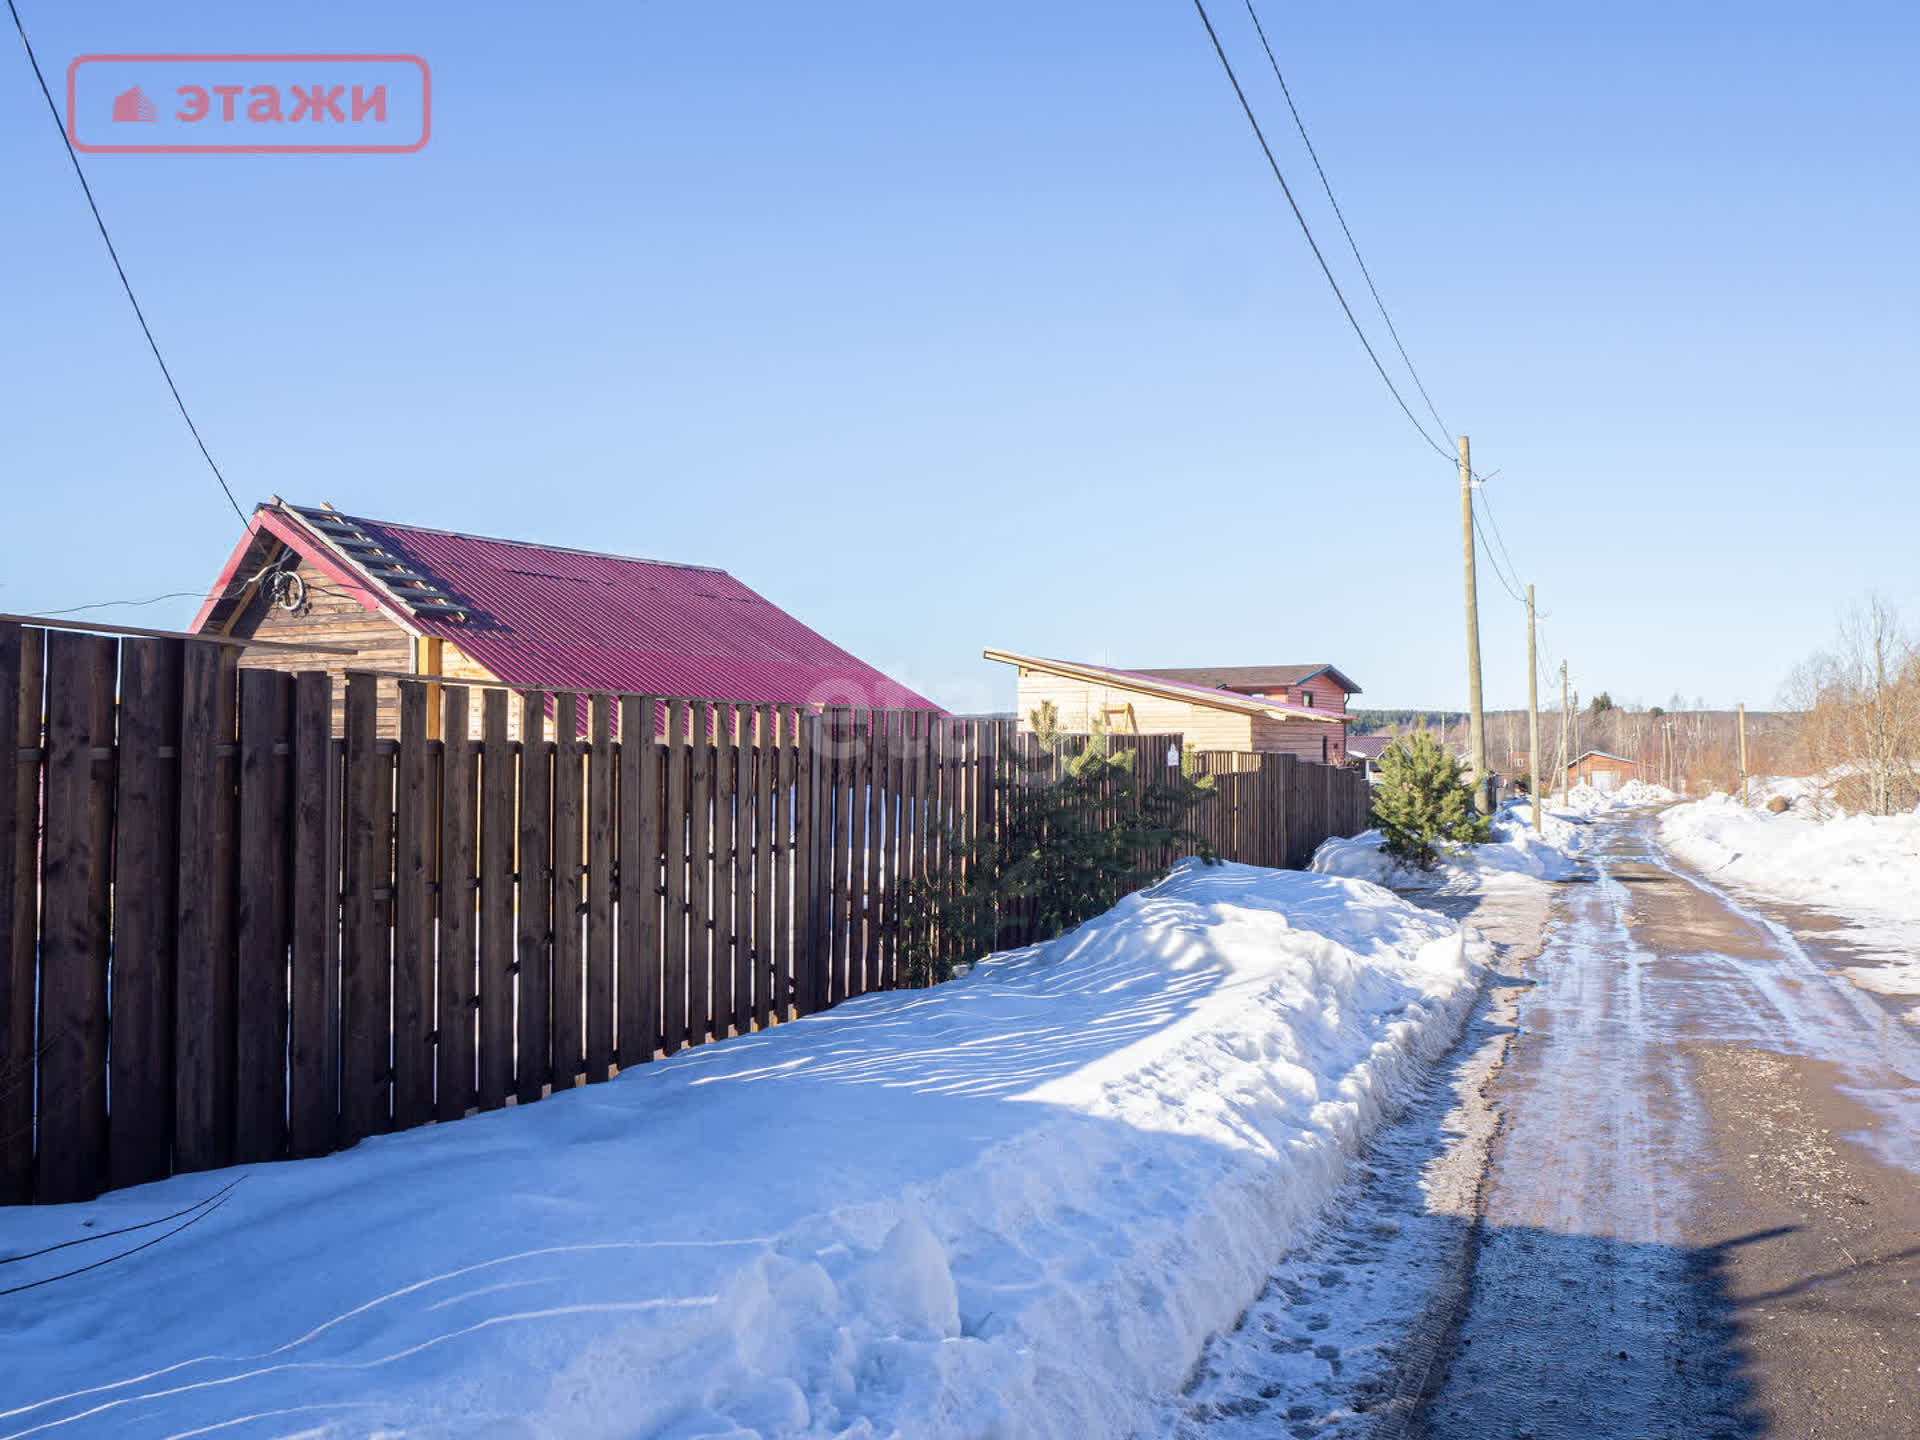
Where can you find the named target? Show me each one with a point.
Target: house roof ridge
(308, 512)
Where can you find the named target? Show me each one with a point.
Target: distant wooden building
(1602, 771)
(1292, 709)
(414, 601)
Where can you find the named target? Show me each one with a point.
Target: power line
(1493, 564)
(1307, 230)
(1340, 215)
(127, 604)
(126, 284)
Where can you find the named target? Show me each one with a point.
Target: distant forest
(1367, 722)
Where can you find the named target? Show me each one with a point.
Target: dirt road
(1702, 1217)
(1668, 1185)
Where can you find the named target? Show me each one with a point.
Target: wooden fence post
(204, 944)
(810, 875)
(314, 987)
(22, 654)
(146, 814)
(365, 921)
(533, 942)
(454, 1085)
(75, 886)
(264, 907)
(640, 888)
(415, 827)
(599, 977)
(568, 975)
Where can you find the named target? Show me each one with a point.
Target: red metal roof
(543, 616)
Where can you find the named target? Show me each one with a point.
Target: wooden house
(412, 601)
(1295, 709)
(1604, 772)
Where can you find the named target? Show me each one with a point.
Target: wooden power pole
(1533, 718)
(1743, 752)
(1566, 711)
(1476, 716)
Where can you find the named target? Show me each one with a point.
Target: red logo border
(426, 109)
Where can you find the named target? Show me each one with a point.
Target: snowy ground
(1516, 853)
(1016, 1205)
(1863, 869)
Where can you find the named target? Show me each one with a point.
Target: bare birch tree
(1861, 703)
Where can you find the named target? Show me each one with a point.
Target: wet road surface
(1700, 1220)
(1667, 1185)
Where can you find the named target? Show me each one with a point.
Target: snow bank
(1516, 852)
(1013, 1206)
(1634, 795)
(1863, 868)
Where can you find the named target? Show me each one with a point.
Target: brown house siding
(329, 617)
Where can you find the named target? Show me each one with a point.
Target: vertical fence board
(839, 758)
(726, 967)
(456, 1013)
(146, 813)
(700, 877)
(769, 748)
(807, 832)
(415, 846)
(673, 975)
(860, 848)
(264, 905)
(569, 977)
(895, 852)
(312, 980)
(533, 962)
(746, 816)
(639, 957)
(497, 824)
(599, 978)
(74, 917)
(204, 969)
(22, 667)
(365, 921)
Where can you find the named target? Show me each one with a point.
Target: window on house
(1306, 698)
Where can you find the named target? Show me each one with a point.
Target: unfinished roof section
(542, 616)
(1253, 679)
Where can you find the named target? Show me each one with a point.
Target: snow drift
(1863, 868)
(1515, 852)
(1015, 1205)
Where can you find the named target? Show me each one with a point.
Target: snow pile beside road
(1634, 795)
(1863, 868)
(1014, 1205)
(1514, 853)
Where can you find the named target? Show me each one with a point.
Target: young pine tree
(1424, 804)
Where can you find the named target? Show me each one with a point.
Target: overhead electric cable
(1307, 231)
(1340, 215)
(126, 284)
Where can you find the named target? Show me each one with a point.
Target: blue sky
(957, 326)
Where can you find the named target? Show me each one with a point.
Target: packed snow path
(1700, 1219)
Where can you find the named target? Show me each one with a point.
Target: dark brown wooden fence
(232, 933)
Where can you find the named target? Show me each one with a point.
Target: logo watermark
(249, 104)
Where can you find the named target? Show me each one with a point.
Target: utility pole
(1533, 718)
(1743, 753)
(1577, 751)
(1566, 710)
(1477, 717)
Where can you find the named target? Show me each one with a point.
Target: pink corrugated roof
(537, 615)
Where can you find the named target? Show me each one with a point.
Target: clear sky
(985, 324)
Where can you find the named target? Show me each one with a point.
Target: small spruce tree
(1424, 803)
